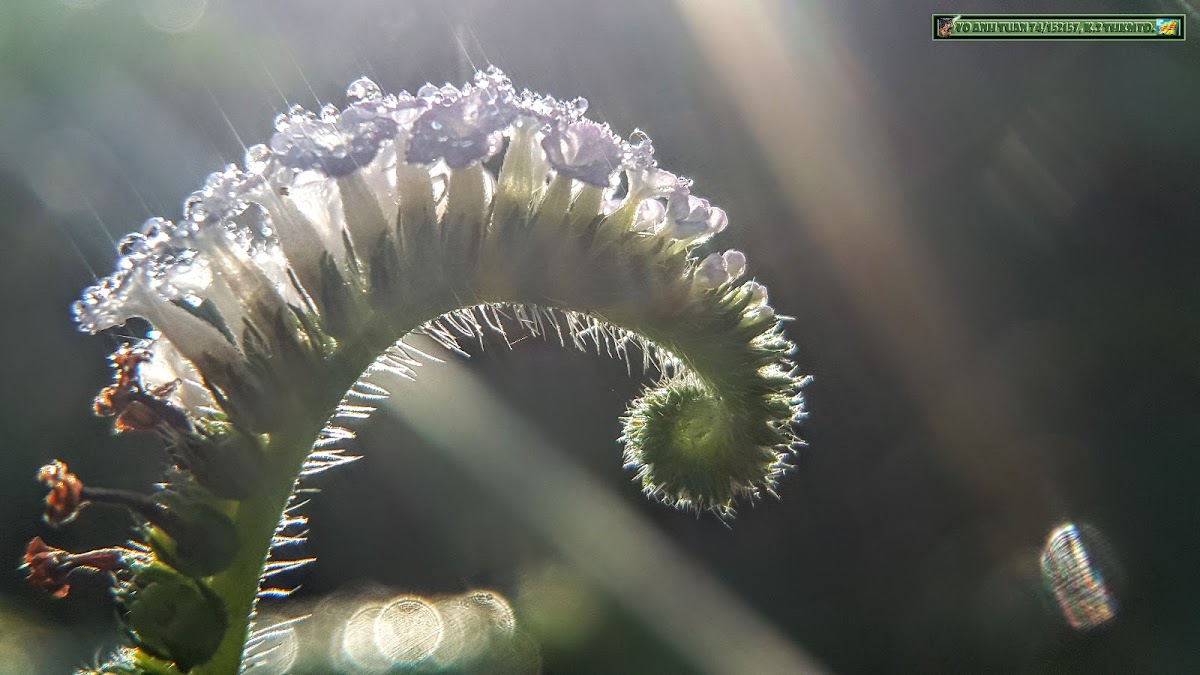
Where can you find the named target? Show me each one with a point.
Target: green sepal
(171, 617)
(342, 298)
(226, 460)
(191, 535)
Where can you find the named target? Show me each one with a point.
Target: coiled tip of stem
(691, 451)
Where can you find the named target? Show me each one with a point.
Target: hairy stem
(256, 518)
(255, 521)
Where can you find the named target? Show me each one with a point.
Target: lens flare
(1073, 575)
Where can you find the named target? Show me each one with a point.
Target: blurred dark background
(990, 250)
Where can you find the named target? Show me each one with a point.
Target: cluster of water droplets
(292, 203)
(339, 142)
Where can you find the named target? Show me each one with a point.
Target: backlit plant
(289, 280)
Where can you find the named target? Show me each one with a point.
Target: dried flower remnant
(48, 568)
(289, 280)
(66, 492)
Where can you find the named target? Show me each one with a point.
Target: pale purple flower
(757, 292)
(690, 217)
(735, 263)
(641, 170)
(712, 271)
(336, 143)
(463, 127)
(584, 150)
(650, 216)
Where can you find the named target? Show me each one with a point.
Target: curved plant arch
(289, 279)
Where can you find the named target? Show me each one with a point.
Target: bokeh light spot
(358, 641)
(407, 630)
(493, 609)
(173, 16)
(1073, 575)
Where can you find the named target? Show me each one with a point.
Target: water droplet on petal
(430, 93)
(155, 227)
(131, 243)
(256, 158)
(193, 207)
(364, 89)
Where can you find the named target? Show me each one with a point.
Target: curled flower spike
(290, 280)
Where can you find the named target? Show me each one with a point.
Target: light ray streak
(814, 124)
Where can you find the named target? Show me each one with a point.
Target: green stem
(258, 516)
(255, 521)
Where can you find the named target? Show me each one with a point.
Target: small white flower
(735, 263)
(650, 216)
(756, 291)
(758, 308)
(690, 218)
(712, 271)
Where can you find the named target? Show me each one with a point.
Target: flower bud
(687, 452)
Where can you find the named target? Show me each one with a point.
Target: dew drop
(490, 77)
(256, 158)
(153, 227)
(193, 207)
(131, 243)
(430, 92)
(364, 89)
